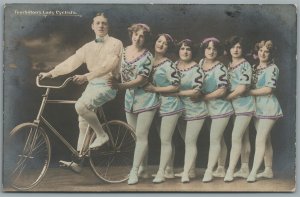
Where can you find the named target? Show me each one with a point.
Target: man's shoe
(72, 165)
(99, 141)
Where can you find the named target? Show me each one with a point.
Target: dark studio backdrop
(34, 43)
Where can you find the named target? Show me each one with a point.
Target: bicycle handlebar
(56, 87)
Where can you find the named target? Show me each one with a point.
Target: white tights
(216, 134)
(193, 129)
(240, 126)
(246, 148)
(263, 145)
(168, 124)
(141, 123)
(87, 117)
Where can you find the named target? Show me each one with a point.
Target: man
(102, 57)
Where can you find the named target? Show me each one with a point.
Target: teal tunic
(267, 106)
(192, 78)
(166, 74)
(215, 78)
(137, 100)
(241, 74)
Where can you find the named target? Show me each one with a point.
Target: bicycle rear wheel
(112, 162)
(29, 156)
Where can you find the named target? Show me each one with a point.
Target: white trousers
(87, 117)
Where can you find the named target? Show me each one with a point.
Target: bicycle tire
(112, 162)
(29, 156)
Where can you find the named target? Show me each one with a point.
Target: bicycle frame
(102, 161)
(39, 118)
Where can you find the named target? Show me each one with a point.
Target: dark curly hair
(170, 42)
(232, 41)
(186, 42)
(216, 42)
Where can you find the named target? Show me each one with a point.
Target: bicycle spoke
(129, 143)
(44, 150)
(105, 153)
(125, 151)
(41, 142)
(118, 156)
(123, 138)
(30, 155)
(19, 164)
(128, 147)
(108, 165)
(21, 170)
(101, 164)
(129, 160)
(32, 148)
(117, 136)
(28, 141)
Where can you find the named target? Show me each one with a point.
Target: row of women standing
(197, 91)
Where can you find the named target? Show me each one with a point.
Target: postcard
(149, 97)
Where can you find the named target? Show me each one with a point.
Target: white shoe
(219, 172)
(192, 173)
(169, 173)
(267, 173)
(242, 173)
(208, 176)
(72, 165)
(228, 176)
(143, 172)
(159, 178)
(251, 178)
(133, 177)
(185, 178)
(99, 141)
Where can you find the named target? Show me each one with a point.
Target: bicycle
(30, 148)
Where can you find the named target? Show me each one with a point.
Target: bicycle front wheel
(112, 162)
(29, 156)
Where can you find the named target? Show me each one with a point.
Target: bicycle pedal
(64, 163)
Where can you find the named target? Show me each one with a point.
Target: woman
(214, 88)
(140, 106)
(165, 80)
(240, 75)
(191, 80)
(268, 109)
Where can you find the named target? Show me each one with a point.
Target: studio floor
(64, 180)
